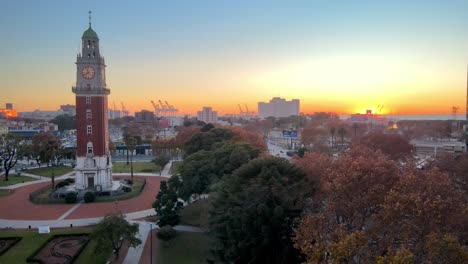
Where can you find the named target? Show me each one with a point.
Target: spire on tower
(89, 18)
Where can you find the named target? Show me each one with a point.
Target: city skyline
(333, 56)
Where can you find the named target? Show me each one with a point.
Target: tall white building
(207, 115)
(278, 107)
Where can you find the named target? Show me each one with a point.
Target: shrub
(61, 184)
(129, 182)
(127, 189)
(71, 197)
(89, 197)
(70, 180)
(166, 233)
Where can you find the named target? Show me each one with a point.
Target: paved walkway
(40, 180)
(82, 214)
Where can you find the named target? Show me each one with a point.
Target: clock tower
(93, 162)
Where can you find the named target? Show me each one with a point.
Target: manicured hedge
(15, 239)
(32, 258)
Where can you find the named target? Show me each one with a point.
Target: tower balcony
(91, 90)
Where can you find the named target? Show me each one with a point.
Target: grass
(13, 179)
(186, 247)
(137, 189)
(47, 171)
(6, 192)
(32, 241)
(122, 167)
(195, 214)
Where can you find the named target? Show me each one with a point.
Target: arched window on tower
(89, 44)
(94, 54)
(94, 43)
(89, 147)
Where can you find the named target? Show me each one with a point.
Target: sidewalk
(40, 179)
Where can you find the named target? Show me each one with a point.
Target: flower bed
(7, 242)
(60, 249)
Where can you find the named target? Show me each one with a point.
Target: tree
(332, 133)
(205, 140)
(167, 205)
(113, 231)
(10, 152)
(131, 140)
(353, 188)
(342, 134)
(254, 139)
(254, 211)
(207, 127)
(392, 145)
(197, 172)
(426, 214)
(371, 208)
(64, 122)
(45, 148)
(203, 168)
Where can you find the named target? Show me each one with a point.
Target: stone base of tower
(93, 172)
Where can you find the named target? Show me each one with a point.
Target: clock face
(88, 72)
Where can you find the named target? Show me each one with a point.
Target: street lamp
(151, 243)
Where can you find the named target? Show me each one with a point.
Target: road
(276, 150)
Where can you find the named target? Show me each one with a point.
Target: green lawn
(47, 171)
(185, 248)
(13, 179)
(195, 214)
(32, 241)
(137, 188)
(148, 167)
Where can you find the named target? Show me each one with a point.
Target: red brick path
(18, 207)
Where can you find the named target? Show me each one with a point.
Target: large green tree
(64, 122)
(167, 205)
(112, 231)
(205, 140)
(203, 168)
(254, 212)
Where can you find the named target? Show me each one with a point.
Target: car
(24, 167)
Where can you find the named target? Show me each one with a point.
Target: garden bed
(7, 242)
(60, 249)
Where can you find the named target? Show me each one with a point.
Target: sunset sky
(333, 55)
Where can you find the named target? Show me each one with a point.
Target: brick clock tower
(93, 162)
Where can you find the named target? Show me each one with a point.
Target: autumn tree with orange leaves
(252, 138)
(371, 209)
(392, 145)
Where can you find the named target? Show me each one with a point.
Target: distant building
(207, 115)
(25, 134)
(3, 127)
(42, 115)
(434, 148)
(278, 107)
(144, 117)
(171, 121)
(8, 112)
(114, 114)
(68, 109)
